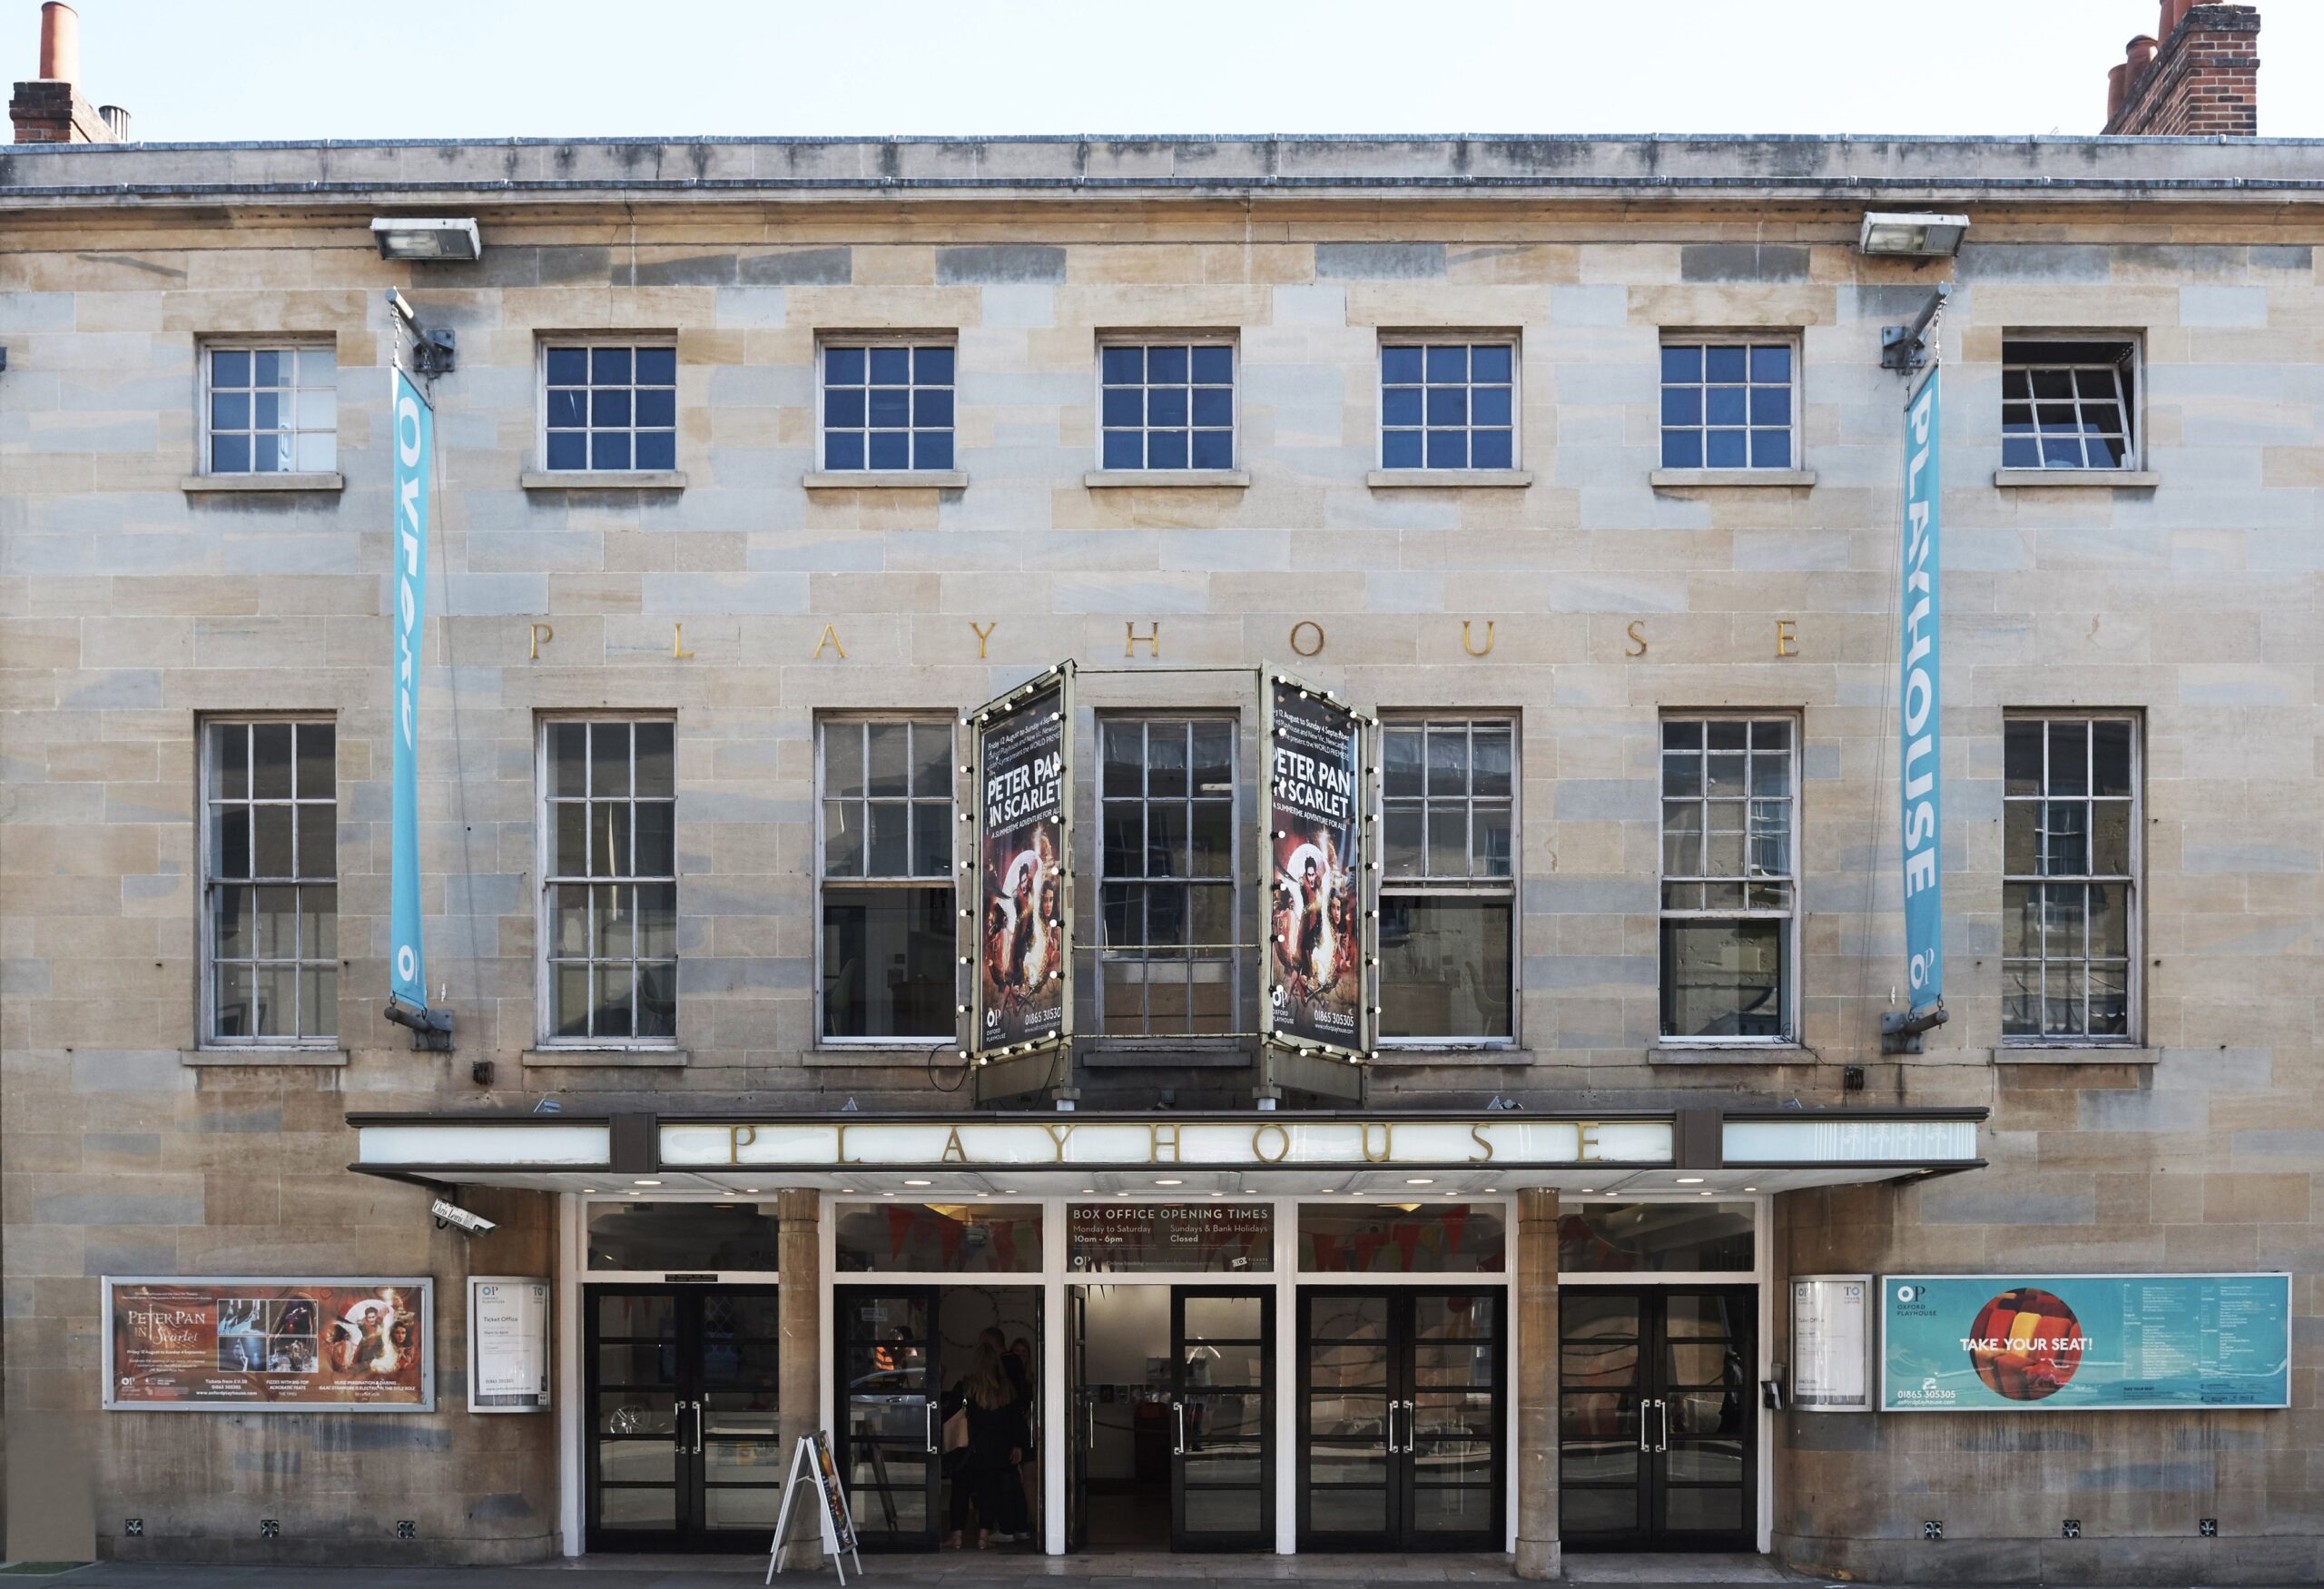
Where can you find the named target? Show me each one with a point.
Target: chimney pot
(117, 119)
(2116, 90)
(2138, 56)
(2174, 12)
(60, 42)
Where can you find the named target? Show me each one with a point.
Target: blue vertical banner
(414, 450)
(1920, 748)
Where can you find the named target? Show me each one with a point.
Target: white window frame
(1210, 338)
(2133, 890)
(291, 342)
(544, 340)
(827, 341)
(1445, 336)
(207, 976)
(952, 879)
(1238, 959)
(2133, 410)
(1774, 336)
(1472, 886)
(1789, 978)
(545, 899)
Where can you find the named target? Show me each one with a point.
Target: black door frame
(690, 1532)
(1646, 1400)
(1182, 1540)
(871, 1523)
(1402, 1336)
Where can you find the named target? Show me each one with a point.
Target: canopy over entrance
(1255, 1152)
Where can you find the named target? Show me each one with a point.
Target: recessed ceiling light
(1491, 1190)
(1702, 1194)
(1588, 1188)
(887, 1194)
(1088, 1191)
(1420, 1180)
(1690, 1181)
(984, 1194)
(1168, 1181)
(1751, 1189)
(754, 1191)
(919, 1183)
(589, 1191)
(646, 1183)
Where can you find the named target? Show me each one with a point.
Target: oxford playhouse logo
(2023, 1345)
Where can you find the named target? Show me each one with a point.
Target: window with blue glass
(1166, 405)
(612, 407)
(1448, 405)
(1729, 405)
(888, 406)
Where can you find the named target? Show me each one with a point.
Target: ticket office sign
(1311, 829)
(2084, 1343)
(266, 1343)
(1023, 957)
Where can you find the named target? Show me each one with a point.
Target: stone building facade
(1591, 591)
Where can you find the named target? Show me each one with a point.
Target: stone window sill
(864, 479)
(202, 485)
(1741, 1053)
(612, 480)
(1122, 479)
(2110, 479)
(608, 1059)
(263, 1056)
(883, 1055)
(1452, 1052)
(1468, 479)
(2081, 1054)
(1665, 479)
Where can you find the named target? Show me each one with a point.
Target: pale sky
(299, 69)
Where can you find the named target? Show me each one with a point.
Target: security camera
(448, 1213)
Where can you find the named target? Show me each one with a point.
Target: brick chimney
(2202, 81)
(49, 109)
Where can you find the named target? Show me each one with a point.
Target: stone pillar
(1536, 1377)
(800, 1303)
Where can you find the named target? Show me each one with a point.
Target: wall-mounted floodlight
(1909, 235)
(405, 238)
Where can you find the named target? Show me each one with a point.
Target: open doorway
(1170, 1392)
(908, 1354)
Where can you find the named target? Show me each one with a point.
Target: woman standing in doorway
(998, 1435)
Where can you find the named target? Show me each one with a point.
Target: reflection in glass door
(889, 1426)
(1401, 1420)
(686, 1451)
(1222, 1489)
(1656, 1418)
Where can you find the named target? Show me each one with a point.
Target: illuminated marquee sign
(1225, 1145)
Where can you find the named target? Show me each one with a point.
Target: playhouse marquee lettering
(1227, 1144)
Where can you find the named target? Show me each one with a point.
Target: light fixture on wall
(1909, 234)
(428, 240)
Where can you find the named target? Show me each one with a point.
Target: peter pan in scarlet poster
(1316, 914)
(347, 1344)
(1022, 954)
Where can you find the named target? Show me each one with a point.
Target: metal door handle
(1178, 1419)
(701, 1418)
(1661, 1425)
(1645, 1407)
(1412, 1426)
(1392, 1446)
(930, 1409)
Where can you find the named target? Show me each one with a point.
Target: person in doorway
(985, 1477)
(1020, 1353)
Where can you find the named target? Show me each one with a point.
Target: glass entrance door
(1222, 1420)
(889, 1394)
(1656, 1418)
(686, 1451)
(1402, 1419)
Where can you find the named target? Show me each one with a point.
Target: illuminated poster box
(266, 1343)
(2085, 1343)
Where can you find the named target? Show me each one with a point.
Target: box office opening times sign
(1236, 1145)
(270, 1344)
(2079, 1342)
